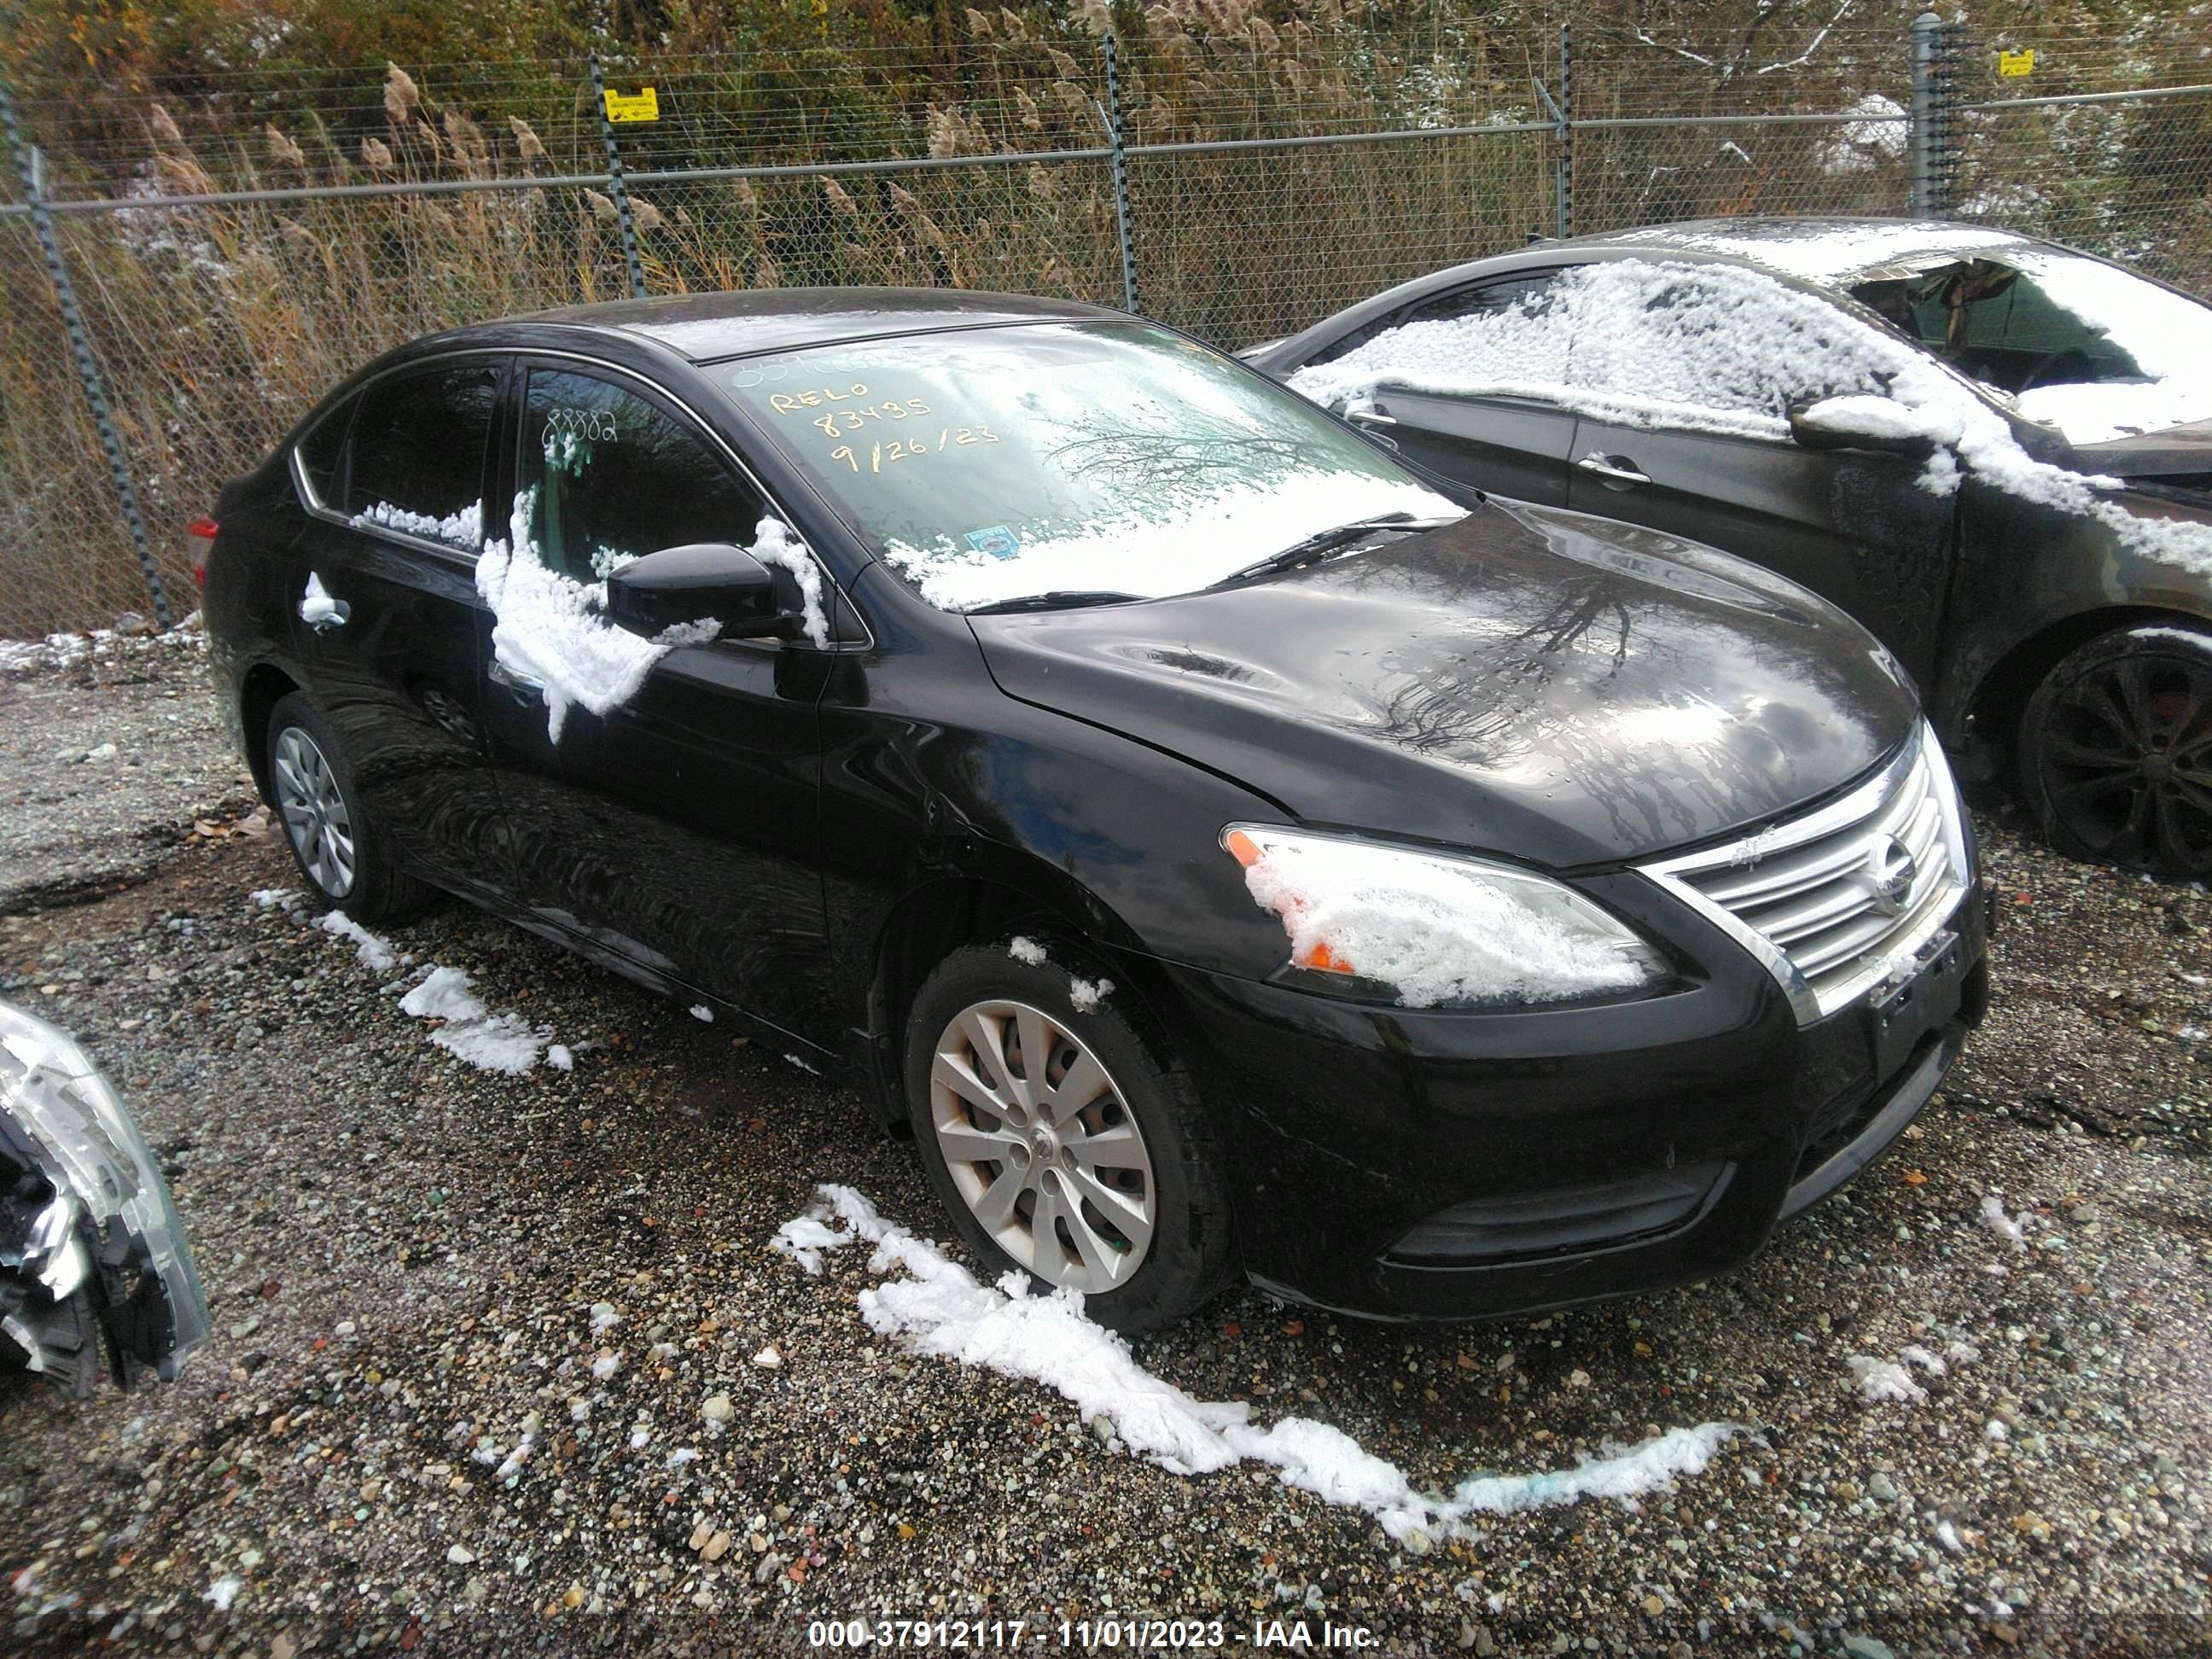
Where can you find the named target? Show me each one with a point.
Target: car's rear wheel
(2115, 752)
(1063, 1140)
(349, 861)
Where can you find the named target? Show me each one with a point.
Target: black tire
(1191, 1254)
(2115, 752)
(374, 888)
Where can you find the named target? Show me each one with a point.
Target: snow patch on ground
(1884, 1379)
(277, 898)
(939, 1309)
(224, 1591)
(490, 1042)
(701, 1012)
(374, 951)
(2012, 1231)
(132, 636)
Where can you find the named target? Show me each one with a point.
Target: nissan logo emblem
(1891, 870)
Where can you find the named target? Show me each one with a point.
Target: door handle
(1372, 418)
(1614, 470)
(500, 674)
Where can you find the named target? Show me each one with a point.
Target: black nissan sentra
(1227, 850)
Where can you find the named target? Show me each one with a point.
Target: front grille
(1833, 901)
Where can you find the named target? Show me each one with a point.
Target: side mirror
(1866, 422)
(703, 581)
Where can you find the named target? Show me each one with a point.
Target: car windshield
(1099, 459)
(2082, 344)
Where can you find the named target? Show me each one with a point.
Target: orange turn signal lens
(1320, 957)
(1242, 848)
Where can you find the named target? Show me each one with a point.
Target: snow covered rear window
(992, 464)
(417, 461)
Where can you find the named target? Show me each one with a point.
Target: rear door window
(417, 455)
(610, 476)
(322, 454)
(1491, 299)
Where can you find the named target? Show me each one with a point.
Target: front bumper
(1399, 1163)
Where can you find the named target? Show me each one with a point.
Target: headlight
(1438, 930)
(95, 1153)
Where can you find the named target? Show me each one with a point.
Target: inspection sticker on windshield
(995, 541)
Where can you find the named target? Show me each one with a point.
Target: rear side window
(418, 452)
(1488, 298)
(322, 451)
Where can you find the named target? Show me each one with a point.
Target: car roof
(710, 327)
(1829, 251)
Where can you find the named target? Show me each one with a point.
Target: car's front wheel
(349, 861)
(1062, 1139)
(2116, 752)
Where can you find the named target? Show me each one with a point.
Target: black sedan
(1995, 453)
(1225, 851)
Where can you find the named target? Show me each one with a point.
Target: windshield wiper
(1322, 543)
(1059, 599)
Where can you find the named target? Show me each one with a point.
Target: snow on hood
(938, 1308)
(1725, 350)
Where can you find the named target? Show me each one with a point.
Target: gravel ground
(110, 751)
(413, 1265)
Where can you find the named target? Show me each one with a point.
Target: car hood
(2178, 452)
(1553, 687)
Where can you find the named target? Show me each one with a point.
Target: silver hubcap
(315, 814)
(1041, 1146)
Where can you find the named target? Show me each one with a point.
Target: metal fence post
(1118, 138)
(1563, 168)
(1933, 74)
(87, 365)
(615, 187)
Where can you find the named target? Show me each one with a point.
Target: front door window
(609, 477)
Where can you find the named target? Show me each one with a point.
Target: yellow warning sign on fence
(642, 106)
(2012, 64)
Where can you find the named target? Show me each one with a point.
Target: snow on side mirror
(702, 581)
(1863, 421)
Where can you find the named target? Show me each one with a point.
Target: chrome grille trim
(1801, 895)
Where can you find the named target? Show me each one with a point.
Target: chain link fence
(238, 247)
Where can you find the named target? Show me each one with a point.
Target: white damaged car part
(92, 1253)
